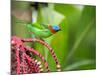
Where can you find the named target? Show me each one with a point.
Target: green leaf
(80, 39)
(78, 64)
(83, 46)
(50, 16)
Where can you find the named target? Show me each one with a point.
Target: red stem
(18, 61)
(38, 54)
(50, 49)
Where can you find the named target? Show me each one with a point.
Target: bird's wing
(37, 25)
(44, 25)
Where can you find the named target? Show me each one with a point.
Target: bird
(42, 30)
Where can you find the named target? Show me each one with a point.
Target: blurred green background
(74, 45)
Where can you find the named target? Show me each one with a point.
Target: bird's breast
(51, 29)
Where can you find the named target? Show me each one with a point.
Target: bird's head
(54, 28)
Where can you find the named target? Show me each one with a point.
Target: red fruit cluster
(22, 62)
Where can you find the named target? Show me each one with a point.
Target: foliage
(75, 44)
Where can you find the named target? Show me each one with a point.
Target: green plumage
(38, 30)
